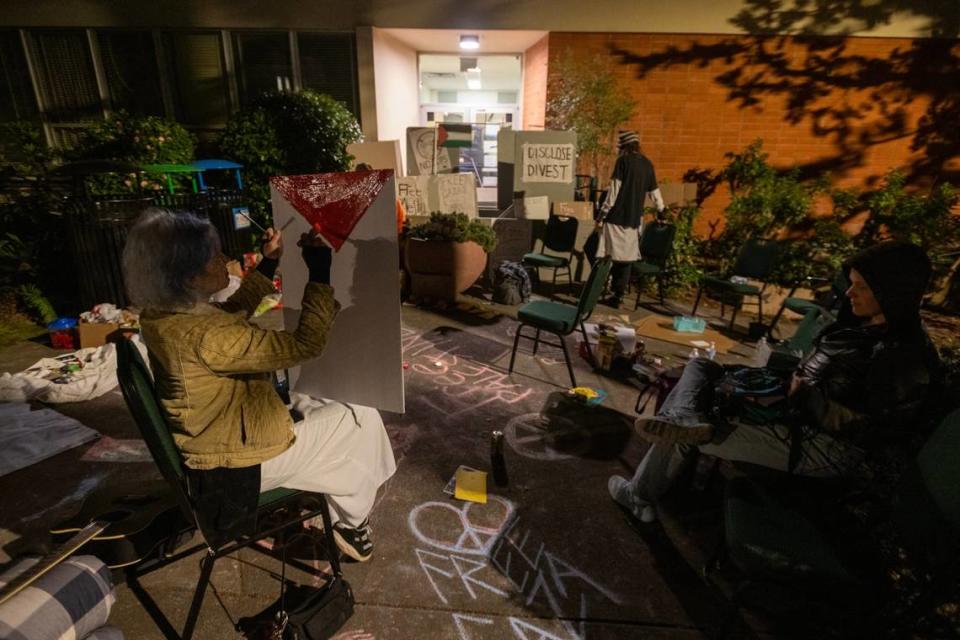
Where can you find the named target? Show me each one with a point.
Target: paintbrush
(285, 224)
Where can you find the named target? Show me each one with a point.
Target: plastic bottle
(712, 351)
(761, 353)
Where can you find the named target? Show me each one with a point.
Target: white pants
(341, 450)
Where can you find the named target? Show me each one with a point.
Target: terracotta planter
(441, 269)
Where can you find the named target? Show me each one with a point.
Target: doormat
(661, 328)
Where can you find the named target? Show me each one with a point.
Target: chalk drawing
(86, 486)
(543, 348)
(469, 538)
(531, 435)
(492, 557)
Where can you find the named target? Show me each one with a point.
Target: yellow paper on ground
(471, 485)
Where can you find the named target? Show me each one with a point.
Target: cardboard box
(97, 334)
(579, 210)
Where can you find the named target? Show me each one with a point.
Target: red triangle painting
(332, 203)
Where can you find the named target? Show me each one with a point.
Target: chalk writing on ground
(533, 436)
(483, 551)
(463, 385)
(557, 353)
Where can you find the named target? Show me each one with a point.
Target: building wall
(857, 107)
(535, 61)
(680, 16)
(397, 82)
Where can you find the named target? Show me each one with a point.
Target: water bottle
(497, 463)
(761, 353)
(712, 351)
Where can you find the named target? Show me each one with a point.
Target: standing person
(621, 216)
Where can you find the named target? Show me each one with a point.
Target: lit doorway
(480, 90)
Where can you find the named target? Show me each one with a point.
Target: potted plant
(446, 255)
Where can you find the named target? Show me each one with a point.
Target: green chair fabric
(756, 260)
(656, 246)
(772, 544)
(560, 237)
(562, 319)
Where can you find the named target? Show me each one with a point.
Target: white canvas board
(362, 362)
(456, 192)
(421, 150)
(384, 154)
(537, 208)
(413, 192)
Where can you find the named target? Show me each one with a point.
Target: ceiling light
(469, 42)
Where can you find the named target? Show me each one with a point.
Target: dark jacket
(869, 384)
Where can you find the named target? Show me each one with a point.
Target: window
(17, 101)
(328, 65)
(65, 74)
(263, 63)
(200, 84)
(130, 64)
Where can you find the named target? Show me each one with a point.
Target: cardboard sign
(457, 193)
(579, 210)
(421, 149)
(536, 208)
(413, 193)
(548, 162)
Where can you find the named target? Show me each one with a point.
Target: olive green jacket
(212, 370)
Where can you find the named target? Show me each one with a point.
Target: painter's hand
(317, 257)
(272, 244)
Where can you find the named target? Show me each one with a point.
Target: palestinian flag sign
(455, 135)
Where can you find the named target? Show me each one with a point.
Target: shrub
(683, 271)
(287, 134)
(455, 227)
(135, 140)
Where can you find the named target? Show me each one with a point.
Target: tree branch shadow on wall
(816, 63)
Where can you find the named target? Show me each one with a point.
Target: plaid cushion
(69, 602)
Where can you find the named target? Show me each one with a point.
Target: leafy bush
(286, 134)
(455, 227)
(683, 270)
(926, 220)
(135, 140)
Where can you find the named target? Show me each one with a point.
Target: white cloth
(341, 450)
(620, 244)
(97, 377)
(28, 436)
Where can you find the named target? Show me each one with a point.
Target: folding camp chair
(278, 509)
(562, 319)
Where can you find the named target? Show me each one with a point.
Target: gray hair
(165, 250)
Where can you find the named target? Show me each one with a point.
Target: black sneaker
(354, 542)
(667, 432)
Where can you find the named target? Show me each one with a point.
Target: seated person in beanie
(621, 216)
(212, 371)
(867, 377)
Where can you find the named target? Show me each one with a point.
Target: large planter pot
(441, 269)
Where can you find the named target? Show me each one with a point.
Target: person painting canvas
(621, 218)
(212, 371)
(866, 381)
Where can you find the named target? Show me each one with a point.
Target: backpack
(511, 284)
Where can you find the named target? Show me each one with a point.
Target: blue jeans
(690, 402)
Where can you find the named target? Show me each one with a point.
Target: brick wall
(535, 84)
(854, 106)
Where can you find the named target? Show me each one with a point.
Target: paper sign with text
(548, 162)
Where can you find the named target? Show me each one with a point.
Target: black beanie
(898, 274)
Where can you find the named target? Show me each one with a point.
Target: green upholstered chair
(278, 510)
(828, 298)
(560, 238)
(778, 550)
(562, 319)
(756, 260)
(656, 245)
